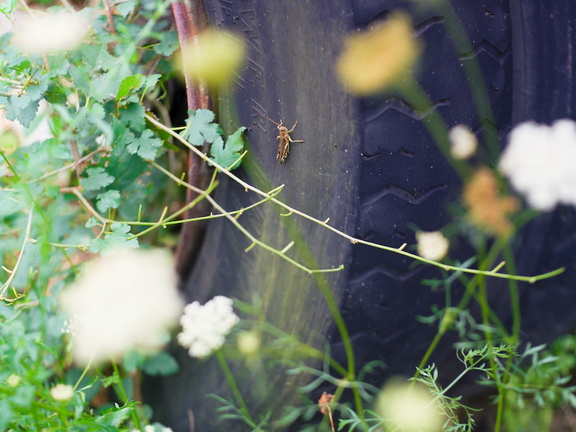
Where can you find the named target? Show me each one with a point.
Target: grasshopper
(285, 140)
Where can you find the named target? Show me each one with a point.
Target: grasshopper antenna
(272, 121)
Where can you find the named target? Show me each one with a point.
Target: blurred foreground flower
(45, 33)
(540, 162)
(204, 327)
(486, 208)
(409, 408)
(13, 380)
(121, 302)
(463, 142)
(62, 392)
(379, 57)
(432, 245)
(214, 57)
(249, 343)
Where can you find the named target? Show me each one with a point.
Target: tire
(370, 166)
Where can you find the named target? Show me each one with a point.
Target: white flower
(70, 327)
(410, 408)
(540, 162)
(432, 245)
(249, 343)
(121, 302)
(13, 380)
(463, 141)
(41, 33)
(204, 327)
(62, 392)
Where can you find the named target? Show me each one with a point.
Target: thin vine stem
(399, 250)
(254, 240)
(14, 270)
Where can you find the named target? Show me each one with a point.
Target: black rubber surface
(371, 166)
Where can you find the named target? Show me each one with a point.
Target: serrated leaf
(22, 109)
(104, 86)
(97, 57)
(128, 84)
(132, 115)
(226, 155)
(118, 239)
(160, 364)
(146, 146)
(92, 222)
(97, 178)
(199, 127)
(107, 200)
(123, 165)
(152, 80)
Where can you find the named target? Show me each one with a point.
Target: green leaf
(97, 178)
(115, 418)
(128, 84)
(56, 149)
(199, 127)
(125, 7)
(160, 364)
(6, 413)
(132, 115)
(81, 78)
(168, 43)
(152, 80)
(97, 57)
(125, 166)
(228, 154)
(24, 107)
(119, 238)
(107, 200)
(92, 222)
(133, 360)
(104, 86)
(98, 73)
(146, 146)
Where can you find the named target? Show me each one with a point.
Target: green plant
(105, 177)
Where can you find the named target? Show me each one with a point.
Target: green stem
(306, 349)
(236, 391)
(428, 353)
(123, 395)
(424, 107)
(475, 77)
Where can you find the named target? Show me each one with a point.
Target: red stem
(191, 20)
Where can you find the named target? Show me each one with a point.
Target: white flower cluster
(42, 33)
(62, 392)
(463, 142)
(432, 245)
(204, 327)
(540, 162)
(121, 302)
